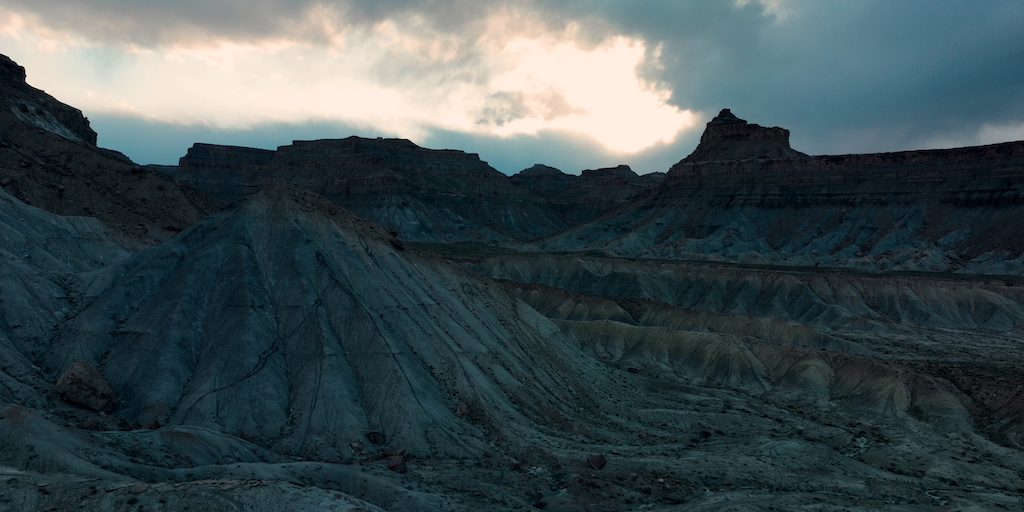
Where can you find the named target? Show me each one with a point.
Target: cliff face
(728, 137)
(949, 210)
(977, 163)
(578, 199)
(18, 100)
(424, 194)
(49, 159)
(338, 167)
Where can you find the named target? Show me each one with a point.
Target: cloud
(844, 77)
(503, 107)
(149, 141)
(506, 73)
(892, 73)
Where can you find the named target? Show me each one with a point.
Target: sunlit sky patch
(632, 83)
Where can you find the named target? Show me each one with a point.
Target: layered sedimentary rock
(937, 210)
(286, 354)
(922, 342)
(578, 199)
(728, 137)
(423, 194)
(49, 158)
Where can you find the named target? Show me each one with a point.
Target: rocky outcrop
(423, 194)
(977, 164)
(20, 101)
(83, 385)
(728, 137)
(49, 159)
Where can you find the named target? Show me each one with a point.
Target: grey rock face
(423, 194)
(578, 199)
(30, 105)
(38, 251)
(304, 328)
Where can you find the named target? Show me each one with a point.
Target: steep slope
(936, 210)
(266, 349)
(294, 323)
(38, 250)
(49, 158)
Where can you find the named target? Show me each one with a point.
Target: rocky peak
(9, 67)
(728, 137)
(726, 117)
(26, 104)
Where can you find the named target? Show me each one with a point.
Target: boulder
(397, 464)
(84, 386)
(597, 462)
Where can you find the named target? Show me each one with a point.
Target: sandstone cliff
(939, 210)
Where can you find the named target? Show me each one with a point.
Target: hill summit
(728, 137)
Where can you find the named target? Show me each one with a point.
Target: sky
(574, 84)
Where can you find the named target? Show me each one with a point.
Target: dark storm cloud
(845, 76)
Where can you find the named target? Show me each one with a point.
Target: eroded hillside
(786, 333)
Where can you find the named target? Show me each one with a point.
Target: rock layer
(423, 194)
(933, 210)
